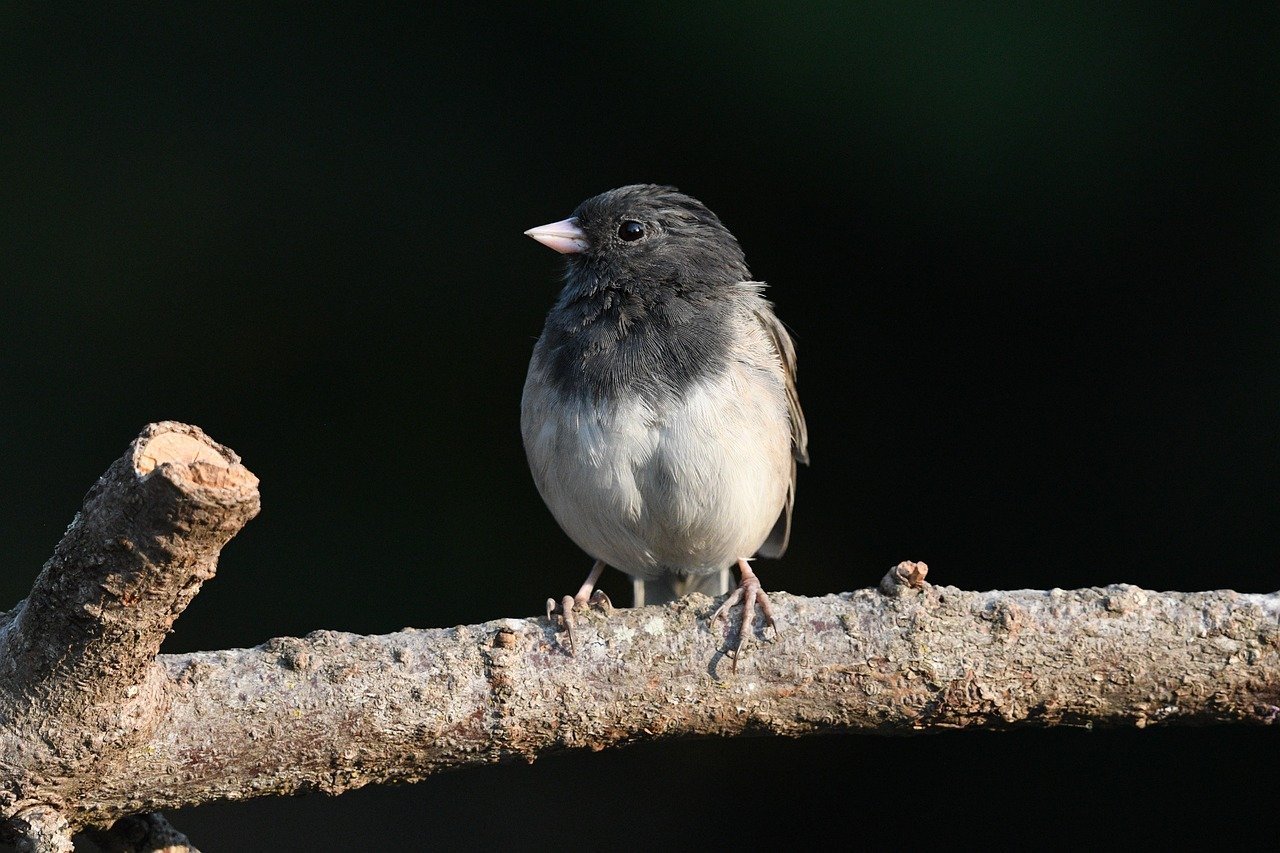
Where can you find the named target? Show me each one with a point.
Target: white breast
(685, 485)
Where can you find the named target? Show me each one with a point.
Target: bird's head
(645, 236)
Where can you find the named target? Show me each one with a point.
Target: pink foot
(585, 598)
(749, 594)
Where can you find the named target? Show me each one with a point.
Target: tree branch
(80, 687)
(41, 829)
(144, 833)
(334, 711)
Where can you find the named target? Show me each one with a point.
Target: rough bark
(80, 686)
(41, 829)
(105, 729)
(144, 833)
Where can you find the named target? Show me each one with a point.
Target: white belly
(686, 487)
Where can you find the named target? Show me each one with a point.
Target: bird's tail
(671, 587)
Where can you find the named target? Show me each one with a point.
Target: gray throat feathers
(606, 342)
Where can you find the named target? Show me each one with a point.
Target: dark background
(1030, 258)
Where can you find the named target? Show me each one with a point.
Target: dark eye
(630, 230)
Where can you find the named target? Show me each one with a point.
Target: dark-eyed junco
(660, 414)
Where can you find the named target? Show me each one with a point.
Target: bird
(660, 415)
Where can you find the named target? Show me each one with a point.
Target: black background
(1030, 258)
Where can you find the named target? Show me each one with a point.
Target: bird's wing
(786, 349)
(776, 544)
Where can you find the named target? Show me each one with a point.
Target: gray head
(651, 278)
(645, 237)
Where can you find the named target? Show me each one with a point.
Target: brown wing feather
(776, 544)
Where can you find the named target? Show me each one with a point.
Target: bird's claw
(749, 594)
(562, 613)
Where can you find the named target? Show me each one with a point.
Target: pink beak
(564, 236)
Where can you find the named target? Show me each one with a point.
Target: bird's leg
(750, 594)
(587, 595)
